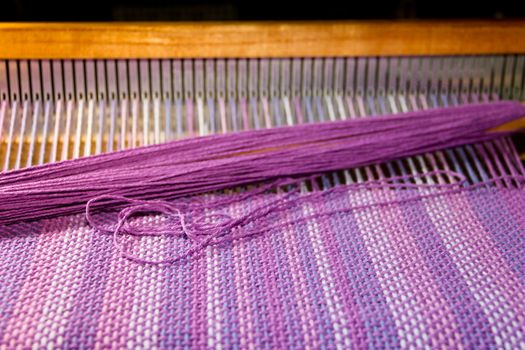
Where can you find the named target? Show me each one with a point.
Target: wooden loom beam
(259, 39)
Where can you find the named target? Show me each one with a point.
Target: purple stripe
(197, 302)
(176, 329)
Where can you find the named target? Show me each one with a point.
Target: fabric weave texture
(446, 271)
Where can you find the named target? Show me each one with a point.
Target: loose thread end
(203, 224)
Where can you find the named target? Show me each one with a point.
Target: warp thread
(224, 228)
(199, 165)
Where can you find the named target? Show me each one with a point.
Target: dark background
(198, 10)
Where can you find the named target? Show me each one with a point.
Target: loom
(75, 90)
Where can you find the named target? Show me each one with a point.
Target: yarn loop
(203, 223)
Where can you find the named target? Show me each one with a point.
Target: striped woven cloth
(444, 271)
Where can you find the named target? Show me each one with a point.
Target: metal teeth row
(258, 78)
(54, 110)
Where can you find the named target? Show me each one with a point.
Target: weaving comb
(69, 90)
(405, 266)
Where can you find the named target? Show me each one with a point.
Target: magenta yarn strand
(203, 164)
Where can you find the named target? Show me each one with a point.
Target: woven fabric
(446, 271)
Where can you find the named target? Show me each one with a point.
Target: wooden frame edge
(259, 39)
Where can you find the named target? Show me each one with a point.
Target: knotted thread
(184, 168)
(225, 228)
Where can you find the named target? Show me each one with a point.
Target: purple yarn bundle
(198, 165)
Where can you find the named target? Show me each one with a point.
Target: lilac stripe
(28, 307)
(197, 303)
(230, 307)
(17, 244)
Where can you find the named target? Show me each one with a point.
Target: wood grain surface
(259, 39)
